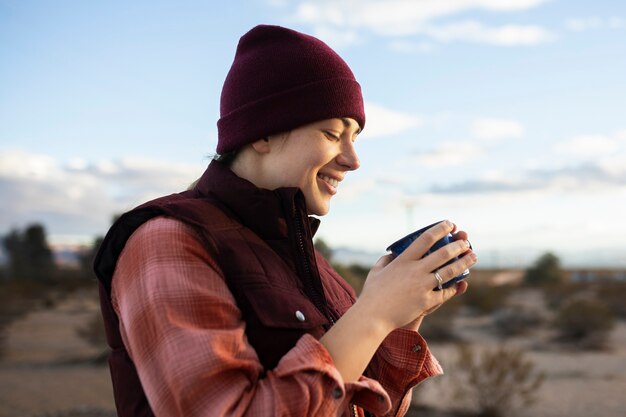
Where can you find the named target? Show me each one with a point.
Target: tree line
(29, 256)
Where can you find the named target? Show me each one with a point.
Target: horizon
(66, 252)
(506, 117)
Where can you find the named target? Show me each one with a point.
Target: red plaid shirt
(184, 333)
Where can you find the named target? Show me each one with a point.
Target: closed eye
(331, 136)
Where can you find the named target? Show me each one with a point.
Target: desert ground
(48, 370)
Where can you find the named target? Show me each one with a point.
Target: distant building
(596, 275)
(68, 256)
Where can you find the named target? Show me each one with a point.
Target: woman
(214, 299)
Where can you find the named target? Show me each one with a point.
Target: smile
(333, 182)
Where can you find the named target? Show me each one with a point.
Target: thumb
(461, 287)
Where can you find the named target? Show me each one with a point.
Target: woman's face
(314, 158)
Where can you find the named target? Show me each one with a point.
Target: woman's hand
(399, 292)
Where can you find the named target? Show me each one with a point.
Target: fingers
(382, 262)
(460, 235)
(448, 293)
(460, 287)
(457, 267)
(437, 259)
(457, 289)
(426, 240)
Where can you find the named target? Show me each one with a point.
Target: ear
(261, 145)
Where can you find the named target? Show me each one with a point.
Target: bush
(439, 325)
(546, 270)
(556, 294)
(585, 322)
(354, 275)
(496, 381)
(515, 321)
(29, 254)
(93, 332)
(485, 298)
(20, 296)
(613, 295)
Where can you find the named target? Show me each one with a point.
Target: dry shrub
(354, 275)
(613, 295)
(81, 412)
(497, 382)
(485, 299)
(586, 323)
(545, 271)
(516, 320)
(17, 298)
(556, 294)
(93, 332)
(20, 296)
(439, 325)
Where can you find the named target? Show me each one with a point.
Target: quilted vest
(262, 242)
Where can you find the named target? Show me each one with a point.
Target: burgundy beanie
(280, 80)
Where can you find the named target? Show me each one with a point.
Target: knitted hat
(280, 80)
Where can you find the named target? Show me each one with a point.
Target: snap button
(337, 393)
(300, 316)
(416, 348)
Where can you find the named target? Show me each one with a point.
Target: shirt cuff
(310, 355)
(407, 352)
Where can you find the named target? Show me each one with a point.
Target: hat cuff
(320, 100)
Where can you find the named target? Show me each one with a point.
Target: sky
(506, 117)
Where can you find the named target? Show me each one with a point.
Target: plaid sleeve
(184, 333)
(402, 361)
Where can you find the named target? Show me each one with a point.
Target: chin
(321, 210)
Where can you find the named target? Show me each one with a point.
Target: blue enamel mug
(397, 247)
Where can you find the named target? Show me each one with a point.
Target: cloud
(355, 188)
(577, 24)
(450, 154)
(588, 146)
(80, 197)
(344, 22)
(507, 35)
(592, 146)
(458, 153)
(382, 121)
(337, 38)
(489, 129)
(606, 152)
(575, 178)
(596, 163)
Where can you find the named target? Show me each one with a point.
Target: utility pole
(408, 206)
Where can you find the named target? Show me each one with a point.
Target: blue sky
(507, 117)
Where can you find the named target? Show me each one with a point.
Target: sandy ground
(578, 383)
(47, 369)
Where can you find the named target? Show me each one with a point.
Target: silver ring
(439, 280)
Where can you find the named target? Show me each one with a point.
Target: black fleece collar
(263, 211)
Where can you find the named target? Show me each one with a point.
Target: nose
(348, 157)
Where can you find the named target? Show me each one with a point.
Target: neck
(249, 166)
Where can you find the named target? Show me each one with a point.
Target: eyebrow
(348, 123)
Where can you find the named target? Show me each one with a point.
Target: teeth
(329, 180)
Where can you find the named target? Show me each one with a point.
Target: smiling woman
(314, 158)
(215, 300)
